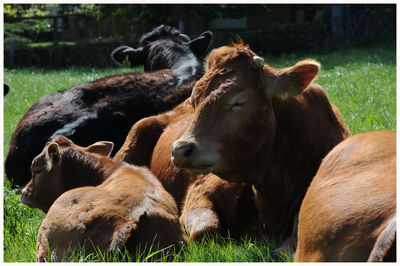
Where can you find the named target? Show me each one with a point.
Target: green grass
(361, 82)
(47, 44)
(207, 250)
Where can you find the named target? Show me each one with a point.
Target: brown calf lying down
(349, 211)
(130, 208)
(47, 184)
(257, 125)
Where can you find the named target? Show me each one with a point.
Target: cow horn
(258, 62)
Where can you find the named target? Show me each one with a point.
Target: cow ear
(128, 56)
(185, 37)
(103, 148)
(200, 45)
(53, 152)
(293, 80)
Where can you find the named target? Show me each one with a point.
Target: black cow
(106, 109)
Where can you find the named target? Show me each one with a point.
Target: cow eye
(237, 106)
(37, 172)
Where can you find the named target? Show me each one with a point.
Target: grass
(47, 44)
(207, 250)
(361, 82)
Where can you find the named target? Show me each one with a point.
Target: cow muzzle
(193, 156)
(26, 196)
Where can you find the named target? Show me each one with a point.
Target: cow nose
(26, 195)
(26, 191)
(181, 153)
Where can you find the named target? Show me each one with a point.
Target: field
(360, 81)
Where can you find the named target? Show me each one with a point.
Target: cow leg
(213, 205)
(141, 140)
(200, 221)
(199, 217)
(385, 245)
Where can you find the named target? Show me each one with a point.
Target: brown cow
(268, 128)
(349, 210)
(130, 208)
(149, 144)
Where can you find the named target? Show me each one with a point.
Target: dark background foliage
(60, 35)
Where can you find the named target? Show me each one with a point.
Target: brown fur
(213, 205)
(164, 129)
(81, 166)
(129, 208)
(149, 144)
(142, 137)
(268, 140)
(349, 211)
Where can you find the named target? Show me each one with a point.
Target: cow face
(162, 48)
(49, 175)
(234, 117)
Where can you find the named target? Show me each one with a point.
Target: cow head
(162, 48)
(52, 170)
(234, 119)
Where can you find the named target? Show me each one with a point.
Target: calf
(47, 183)
(349, 211)
(265, 127)
(130, 208)
(105, 109)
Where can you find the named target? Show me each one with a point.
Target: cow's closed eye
(37, 172)
(236, 106)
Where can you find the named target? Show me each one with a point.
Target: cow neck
(306, 130)
(90, 171)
